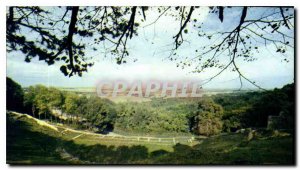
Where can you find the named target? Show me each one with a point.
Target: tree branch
(284, 19)
(179, 34)
(70, 36)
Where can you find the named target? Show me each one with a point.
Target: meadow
(28, 142)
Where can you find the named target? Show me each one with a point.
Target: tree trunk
(33, 110)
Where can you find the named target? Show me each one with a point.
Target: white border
(153, 2)
(5, 3)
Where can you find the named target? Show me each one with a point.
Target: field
(32, 141)
(122, 97)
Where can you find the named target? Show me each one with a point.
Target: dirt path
(173, 140)
(71, 158)
(149, 139)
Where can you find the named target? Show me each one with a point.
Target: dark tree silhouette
(14, 95)
(62, 35)
(240, 42)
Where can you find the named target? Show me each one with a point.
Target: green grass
(26, 145)
(234, 149)
(30, 143)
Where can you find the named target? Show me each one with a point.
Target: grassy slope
(25, 144)
(30, 143)
(234, 149)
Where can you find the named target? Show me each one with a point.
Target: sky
(151, 48)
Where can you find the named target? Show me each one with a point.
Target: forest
(206, 116)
